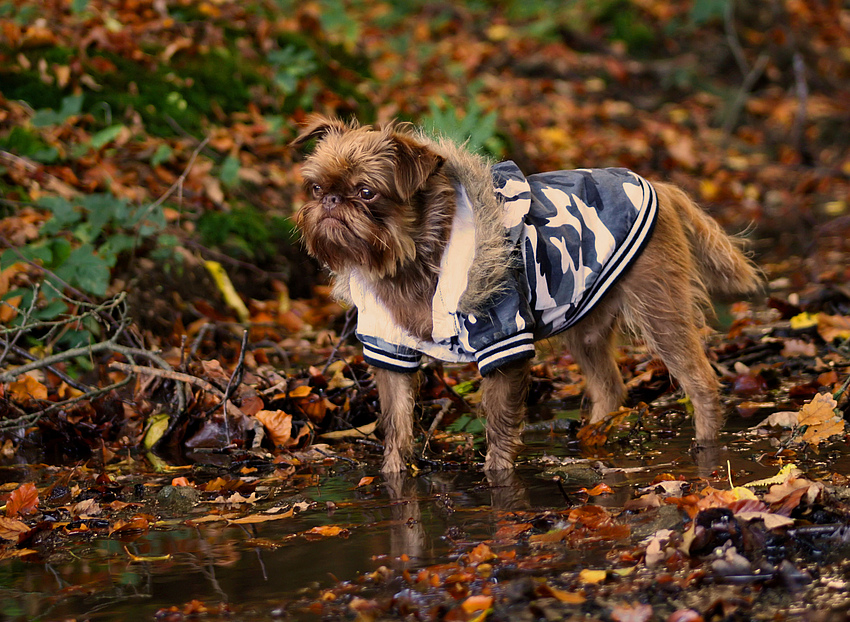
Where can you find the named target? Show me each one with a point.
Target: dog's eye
(367, 194)
(317, 191)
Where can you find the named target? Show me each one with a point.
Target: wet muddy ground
(356, 549)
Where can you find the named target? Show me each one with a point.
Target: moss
(187, 90)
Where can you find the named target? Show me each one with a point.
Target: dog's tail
(724, 268)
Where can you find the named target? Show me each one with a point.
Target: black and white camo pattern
(577, 232)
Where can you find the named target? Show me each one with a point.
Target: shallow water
(405, 522)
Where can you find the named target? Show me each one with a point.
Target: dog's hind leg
(664, 297)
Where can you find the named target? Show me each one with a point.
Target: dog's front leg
(397, 392)
(503, 402)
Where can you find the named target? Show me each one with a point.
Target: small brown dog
(446, 255)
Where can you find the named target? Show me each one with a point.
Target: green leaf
(162, 154)
(63, 212)
(104, 137)
(86, 270)
(229, 173)
(71, 106)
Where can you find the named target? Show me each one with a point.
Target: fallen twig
(174, 375)
(31, 418)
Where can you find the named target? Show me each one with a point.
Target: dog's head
(362, 184)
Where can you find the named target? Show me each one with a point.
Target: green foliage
(24, 142)
(471, 424)
(291, 65)
(475, 127)
(704, 11)
(245, 232)
(71, 106)
(79, 245)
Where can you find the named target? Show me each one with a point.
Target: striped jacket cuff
(514, 348)
(403, 362)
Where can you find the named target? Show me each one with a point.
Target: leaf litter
(678, 545)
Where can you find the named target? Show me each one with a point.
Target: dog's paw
(498, 462)
(393, 463)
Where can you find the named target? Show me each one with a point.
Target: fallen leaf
(180, 481)
(86, 508)
(146, 558)
(832, 327)
(278, 426)
(600, 489)
(261, 518)
(651, 500)
(11, 528)
(328, 531)
(302, 391)
(364, 431)
(636, 612)
(781, 419)
(571, 598)
(820, 419)
(365, 481)
(592, 576)
(137, 523)
(481, 553)
(23, 500)
(236, 498)
(26, 389)
(476, 603)
(771, 520)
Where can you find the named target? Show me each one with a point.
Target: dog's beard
(347, 237)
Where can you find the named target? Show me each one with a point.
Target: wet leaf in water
(22, 501)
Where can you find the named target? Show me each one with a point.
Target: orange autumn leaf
(365, 481)
(23, 500)
(477, 603)
(180, 481)
(481, 553)
(327, 531)
(601, 489)
(278, 426)
(302, 391)
(137, 523)
(26, 389)
(214, 485)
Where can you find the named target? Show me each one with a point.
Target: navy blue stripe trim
(516, 347)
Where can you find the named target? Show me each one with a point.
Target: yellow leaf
(592, 576)
(225, 286)
(804, 320)
(261, 518)
(157, 425)
(326, 530)
(364, 431)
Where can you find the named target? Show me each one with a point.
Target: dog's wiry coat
(393, 244)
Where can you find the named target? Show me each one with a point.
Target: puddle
(406, 523)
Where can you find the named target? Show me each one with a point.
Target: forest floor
(180, 396)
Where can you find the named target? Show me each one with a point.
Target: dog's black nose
(330, 201)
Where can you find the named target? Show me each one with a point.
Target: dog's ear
(415, 163)
(318, 126)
